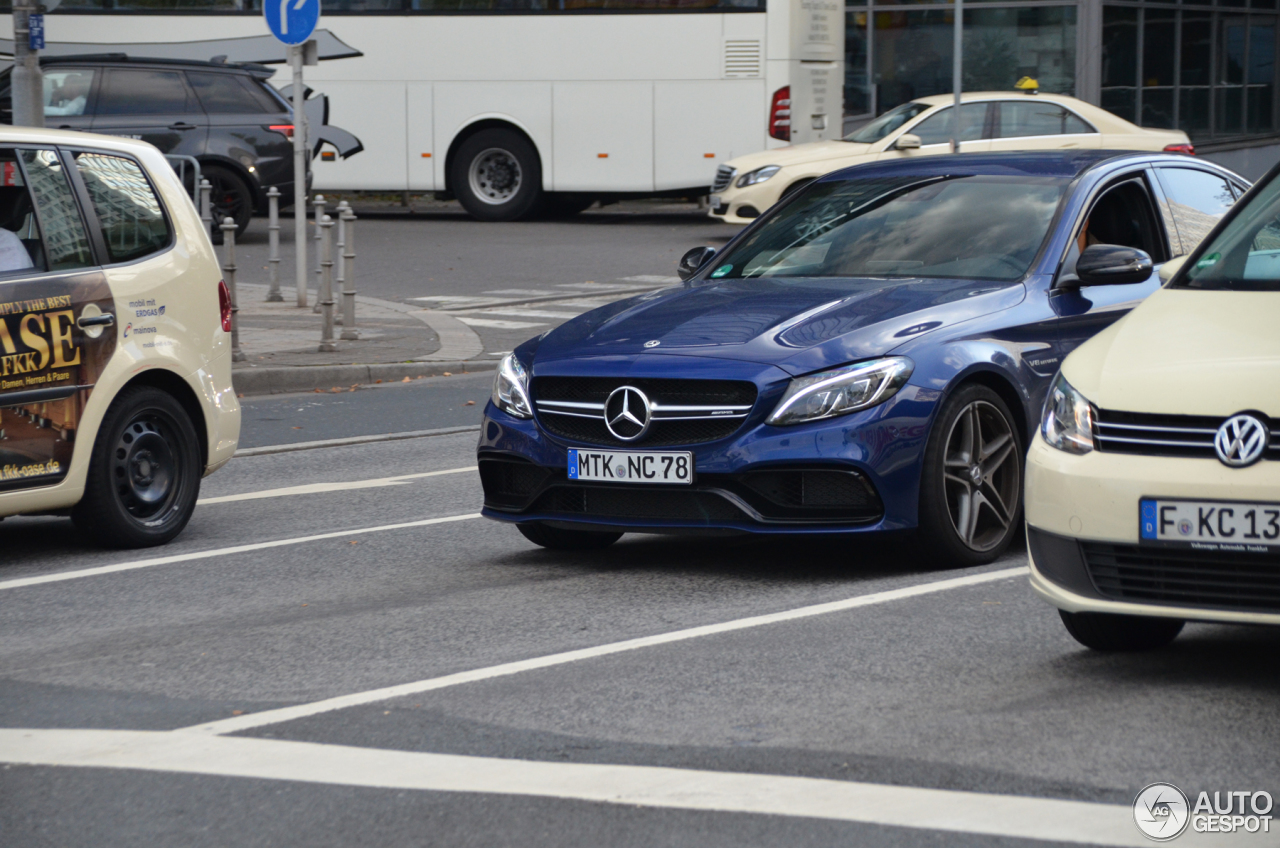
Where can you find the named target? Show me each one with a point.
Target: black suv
(225, 115)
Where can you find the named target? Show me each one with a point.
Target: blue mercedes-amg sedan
(870, 355)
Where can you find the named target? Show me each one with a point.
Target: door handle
(182, 126)
(106, 319)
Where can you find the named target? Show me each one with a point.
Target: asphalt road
(185, 696)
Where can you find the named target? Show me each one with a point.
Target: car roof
(1063, 164)
(126, 59)
(71, 138)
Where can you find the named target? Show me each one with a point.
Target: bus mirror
(693, 260)
(907, 141)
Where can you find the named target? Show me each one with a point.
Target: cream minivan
(1153, 484)
(115, 366)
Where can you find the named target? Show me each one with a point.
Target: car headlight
(511, 388)
(842, 390)
(1067, 423)
(759, 175)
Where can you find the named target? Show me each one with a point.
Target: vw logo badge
(653, 343)
(1240, 440)
(627, 413)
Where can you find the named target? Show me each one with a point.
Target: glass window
(937, 128)
(857, 91)
(888, 122)
(1120, 61)
(130, 92)
(1246, 255)
(984, 227)
(65, 243)
(224, 93)
(1197, 200)
(1029, 117)
(133, 224)
(66, 91)
(19, 237)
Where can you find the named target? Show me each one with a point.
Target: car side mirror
(1112, 265)
(1168, 269)
(907, 141)
(693, 260)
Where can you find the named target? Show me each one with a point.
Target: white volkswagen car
(115, 365)
(1153, 485)
(989, 122)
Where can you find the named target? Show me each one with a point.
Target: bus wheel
(496, 175)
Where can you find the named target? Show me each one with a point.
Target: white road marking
(525, 313)
(354, 440)
(266, 717)
(652, 278)
(61, 576)
(321, 488)
(175, 752)
(498, 325)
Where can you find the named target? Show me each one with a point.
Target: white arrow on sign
(284, 17)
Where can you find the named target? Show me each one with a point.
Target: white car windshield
(887, 123)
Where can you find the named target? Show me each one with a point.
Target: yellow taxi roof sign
(1027, 84)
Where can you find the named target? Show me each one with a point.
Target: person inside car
(15, 205)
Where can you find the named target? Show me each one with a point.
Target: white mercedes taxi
(990, 121)
(115, 365)
(1153, 484)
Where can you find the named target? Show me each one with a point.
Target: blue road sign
(35, 37)
(291, 21)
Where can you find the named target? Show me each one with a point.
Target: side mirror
(907, 141)
(1168, 269)
(693, 260)
(1111, 265)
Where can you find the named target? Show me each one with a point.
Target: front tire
(144, 472)
(560, 539)
(496, 175)
(971, 483)
(1107, 632)
(230, 198)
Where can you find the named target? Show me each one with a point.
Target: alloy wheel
(981, 476)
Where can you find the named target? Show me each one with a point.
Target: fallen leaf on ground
(237, 712)
(377, 381)
(447, 374)
(470, 403)
(355, 541)
(297, 428)
(406, 380)
(335, 390)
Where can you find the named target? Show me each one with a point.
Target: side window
(66, 91)
(224, 93)
(65, 246)
(1029, 117)
(1197, 200)
(936, 129)
(133, 224)
(1124, 216)
(130, 92)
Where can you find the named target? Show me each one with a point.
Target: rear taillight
(1189, 149)
(285, 130)
(224, 304)
(780, 114)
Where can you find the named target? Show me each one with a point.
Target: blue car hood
(798, 324)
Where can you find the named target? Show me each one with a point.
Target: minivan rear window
(222, 94)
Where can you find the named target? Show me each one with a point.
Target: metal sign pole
(957, 79)
(27, 89)
(299, 176)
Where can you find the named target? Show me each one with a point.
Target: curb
(306, 378)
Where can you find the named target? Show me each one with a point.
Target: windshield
(887, 123)
(1246, 255)
(979, 227)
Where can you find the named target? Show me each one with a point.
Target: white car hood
(1186, 352)
(799, 154)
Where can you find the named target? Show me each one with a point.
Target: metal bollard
(273, 235)
(339, 275)
(206, 206)
(319, 203)
(324, 298)
(229, 275)
(349, 330)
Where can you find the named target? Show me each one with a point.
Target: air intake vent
(741, 58)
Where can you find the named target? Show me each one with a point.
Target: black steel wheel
(1106, 632)
(230, 197)
(496, 175)
(144, 474)
(971, 485)
(561, 539)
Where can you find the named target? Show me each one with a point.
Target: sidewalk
(281, 345)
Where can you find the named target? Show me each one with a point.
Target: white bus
(514, 106)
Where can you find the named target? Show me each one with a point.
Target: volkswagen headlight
(759, 175)
(842, 390)
(1067, 423)
(511, 388)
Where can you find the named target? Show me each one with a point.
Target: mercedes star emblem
(653, 343)
(627, 413)
(1241, 440)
